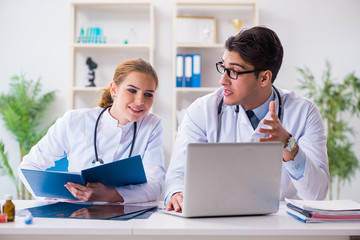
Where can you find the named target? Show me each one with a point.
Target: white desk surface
(163, 226)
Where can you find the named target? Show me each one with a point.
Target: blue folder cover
(180, 78)
(188, 65)
(196, 76)
(115, 174)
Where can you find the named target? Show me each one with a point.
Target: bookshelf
(128, 28)
(211, 50)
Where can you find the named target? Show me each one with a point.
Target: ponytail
(106, 98)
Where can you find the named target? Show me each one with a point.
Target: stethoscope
(219, 111)
(97, 160)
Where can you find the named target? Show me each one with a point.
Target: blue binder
(196, 75)
(188, 70)
(180, 78)
(114, 174)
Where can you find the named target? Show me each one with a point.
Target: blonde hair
(122, 71)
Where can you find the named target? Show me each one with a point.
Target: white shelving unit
(121, 21)
(223, 12)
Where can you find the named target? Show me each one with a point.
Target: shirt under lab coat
(73, 136)
(299, 117)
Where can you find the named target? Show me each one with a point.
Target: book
(334, 206)
(320, 211)
(115, 174)
(342, 215)
(196, 76)
(322, 217)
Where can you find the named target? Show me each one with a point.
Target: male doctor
(248, 108)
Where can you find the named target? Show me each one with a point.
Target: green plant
(22, 110)
(5, 167)
(336, 101)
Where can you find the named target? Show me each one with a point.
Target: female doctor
(248, 108)
(125, 128)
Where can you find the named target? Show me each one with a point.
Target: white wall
(34, 40)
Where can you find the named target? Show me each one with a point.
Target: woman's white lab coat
(73, 136)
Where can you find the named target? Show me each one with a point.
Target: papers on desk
(323, 211)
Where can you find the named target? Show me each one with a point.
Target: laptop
(230, 179)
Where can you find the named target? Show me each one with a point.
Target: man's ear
(265, 78)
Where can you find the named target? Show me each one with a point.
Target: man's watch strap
(291, 145)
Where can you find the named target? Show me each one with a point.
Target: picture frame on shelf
(196, 29)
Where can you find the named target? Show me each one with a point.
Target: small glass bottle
(9, 208)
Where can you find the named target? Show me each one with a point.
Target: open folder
(115, 174)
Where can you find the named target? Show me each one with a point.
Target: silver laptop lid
(232, 179)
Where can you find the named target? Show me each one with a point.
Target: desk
(162, 226)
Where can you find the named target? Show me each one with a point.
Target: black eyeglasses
(232, 73)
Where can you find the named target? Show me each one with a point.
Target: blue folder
(115, 174)
(180, 78)
(188, 71)
(196, 75)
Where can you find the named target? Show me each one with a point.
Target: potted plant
(335, 101)
(22, 110)
(5, 168)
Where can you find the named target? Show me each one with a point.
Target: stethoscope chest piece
(97, 162)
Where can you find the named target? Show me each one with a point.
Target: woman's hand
(94, 192)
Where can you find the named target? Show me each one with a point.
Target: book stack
(323, 211)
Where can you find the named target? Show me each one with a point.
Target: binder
(196, 76)
(188, 70)
(180, 81)
(114, 174)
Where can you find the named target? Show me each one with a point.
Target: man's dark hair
(258, 46)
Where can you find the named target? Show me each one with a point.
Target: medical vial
(9, 208)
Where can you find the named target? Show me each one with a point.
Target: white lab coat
(299, 117)
(73, 135)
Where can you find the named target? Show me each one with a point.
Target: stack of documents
(323, 211)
